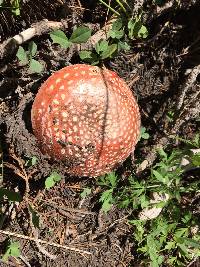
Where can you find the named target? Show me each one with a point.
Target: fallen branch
(45, 242)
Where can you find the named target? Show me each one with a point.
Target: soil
(157, 70)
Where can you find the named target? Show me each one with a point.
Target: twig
(40, 248)
(120, 220)
(45, 242)
(188, 84)
(24, 260)
(56, 206)
(192, 262)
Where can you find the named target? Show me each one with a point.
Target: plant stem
(109, 7)
(121, 5)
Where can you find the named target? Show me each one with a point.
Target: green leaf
(145, 136)
(59, 37)
(106, 206)
(183, 249)
(116, 34)
(144, 201)
(102, 181)
(89, 57)
(22, 55)
(52, 179)
(85, 54)
(80, 35)
(106, 195)
(13, 250)
(86, 192)
(12, 196)
(136, 29)
(16, 11)
(49, 182)
(196, 140)
(143, 133)
(35, 66)
(32, 48)
(123, 46)
(117, 24)
(112, 179)
(170, 245)
(189, 242)
(180, 232)
(107, 200)
(32, 161)
(158, 175)
(162, 153)
(196, 160)
(57, 177)
(143, 32)
(187, 217)
(35, 217)
(109, 51)
(101, 46)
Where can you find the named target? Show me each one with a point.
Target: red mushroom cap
(88, 117)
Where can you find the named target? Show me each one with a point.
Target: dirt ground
(157, 70)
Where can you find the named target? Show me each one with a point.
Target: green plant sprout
(27, 57)
(52, 180)
(143, 134)
(31, 161)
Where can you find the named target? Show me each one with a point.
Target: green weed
(172, 236)
(27, 58)
(144, 134)
(52, 180)
(117, 40)
(109, 182)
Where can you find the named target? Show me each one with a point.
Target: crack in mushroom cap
(87, 117)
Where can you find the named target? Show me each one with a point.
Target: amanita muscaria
(87, 117)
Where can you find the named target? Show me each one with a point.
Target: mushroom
(86, 117)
